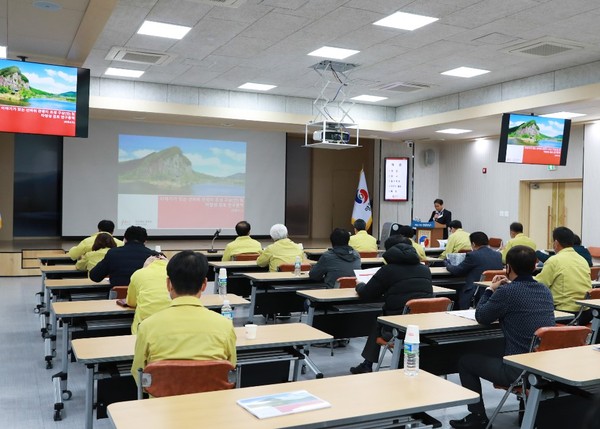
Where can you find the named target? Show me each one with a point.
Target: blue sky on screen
(548, 126)
(215, 157)
(48, 78)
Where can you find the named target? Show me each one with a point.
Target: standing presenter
(441, 215)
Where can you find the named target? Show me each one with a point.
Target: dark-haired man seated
(362, 241)
(242, 244)
(522, 305)
(85, 245)
(339, 261)
(482, 258)
(121, 262)
(186, 329)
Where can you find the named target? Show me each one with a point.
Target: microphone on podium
(212, 244)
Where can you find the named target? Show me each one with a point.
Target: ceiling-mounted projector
(336, 136)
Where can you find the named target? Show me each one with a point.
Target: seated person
(522, 305)
(86, 244)
(459, 239)
(407, 232)
(339, 261)
(283, 251)
(242, 244)
(186, 329)
(403, 278)
(517, 238)
(582, 250)
(566, 274)
(361, 241)
(482, 258)
(102, 244)
(147, 291)
(121, 262)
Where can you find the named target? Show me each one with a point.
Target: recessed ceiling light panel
(160, 29)
(257, 86)
(335, 53)
(405, 21)
(563, 115)
(370, 98)
(465, 72)
(453, 131)
(113, 71)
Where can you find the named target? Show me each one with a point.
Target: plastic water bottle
(411, 350)
(226, 310)
(297, 266)
(222, 282)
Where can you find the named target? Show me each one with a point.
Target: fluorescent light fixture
(335, 53)
(371, 98)
(453, 131)
(112, 71)
(3, 52)
(257, 86)
(405, 21)
(465, 72)
(563, 115)
(160, 29)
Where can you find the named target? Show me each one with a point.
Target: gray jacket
(339, 261)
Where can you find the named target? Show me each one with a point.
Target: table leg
(595, 325)
(40, 295)
(252, 302)
(398, 344)
(59, 380)
(311, 314)
(216, 282)
(89, 397)
(533, 402)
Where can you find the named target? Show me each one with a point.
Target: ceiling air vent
(403, 86)
(544, 48)
(138, 57)
(227, 3)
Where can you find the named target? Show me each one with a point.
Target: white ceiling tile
(275, 26)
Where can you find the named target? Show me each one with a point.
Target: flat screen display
(44, 99)
(526, 139)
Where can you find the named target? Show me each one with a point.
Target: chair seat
(385, 343)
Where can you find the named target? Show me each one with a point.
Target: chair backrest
(495, 242)
(290, 267)
(594, 251)
(179, 377)
(245, 257)
(118, 292)
(345, 282)
(594, 272)
(488, 275)
(464, 251)
(428, 305)
(368, 254)
(560, 337)
(593, 294)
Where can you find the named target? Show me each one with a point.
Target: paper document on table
(280, 404)
(363, 276)
(467, 314)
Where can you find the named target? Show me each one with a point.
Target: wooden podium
(428, 233)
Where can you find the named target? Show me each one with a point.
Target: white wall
(591, 180)
(476, 199)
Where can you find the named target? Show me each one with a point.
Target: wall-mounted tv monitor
(527, 139)
(44, 99)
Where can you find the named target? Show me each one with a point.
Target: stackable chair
(488, 275)
(368, 254)
(179, 377)
(546, 338)
(245, 257)
(594, 272)
(118, 292)
(415, 306)
(591, 294)
(345, 283)
(290, 267)
(495, 243)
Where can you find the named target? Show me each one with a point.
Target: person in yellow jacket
(361, 241)
(86, 244)
(458, 240)
(147, 291)
(517, 238)
(242, 244)
(567, 274)
(283, 251)
(102, 244)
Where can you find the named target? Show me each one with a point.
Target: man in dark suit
(482, 258)
(441, 215)
(125, 260)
